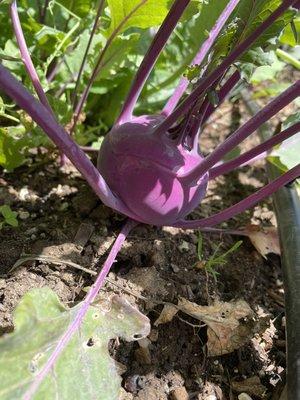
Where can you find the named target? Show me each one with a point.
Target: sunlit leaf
(85, 369)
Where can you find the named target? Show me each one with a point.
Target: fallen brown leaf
(167, 314)
(230, 325)
(265, 240)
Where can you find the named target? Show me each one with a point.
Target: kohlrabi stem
(77, 321)
(222, 94)
(253, 153)
(29, 64)
(26, 56)
(98, 65)
(92, 34)
(197, 123)
(45, 119)
(157, 45)
(44, 11)
(246, 130)
(214, 75)
(288, 58)
(201, 55)
(244, 204)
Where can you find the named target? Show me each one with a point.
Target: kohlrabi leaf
(248, 16)
(117, 53)
(79, 7)
(136, 13)
(287, 154)
(268, 72)
(11, 150)
(291, 33)
(84, 369)
(210, 12)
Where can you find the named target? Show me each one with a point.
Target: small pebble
(23, 215)
(179, 393)
(244, 396)
(175, 268)
(31, 231)
(183, 247)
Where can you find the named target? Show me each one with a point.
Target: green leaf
(210, 12)
(268, 72)
(11, 155)
(287, 154)
(9, 215)
(79, 7)
(291, 33)
(136, 13)
(252, 13)
(84, 370)
(248, 16)
(117, 54)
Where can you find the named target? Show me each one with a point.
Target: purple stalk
(26, 56)
(157, 45)
(244, 131)
(99, 11)
(223, 93)
(201, 55)
(75, 324)
(42, 116)
(44, 11)
(221, 69)
(253, 153)
(197, 123)
(28, 62)
(244, 204)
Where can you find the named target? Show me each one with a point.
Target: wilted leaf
(84, 369)
(167, 314)
(265, 240)
(230, 325)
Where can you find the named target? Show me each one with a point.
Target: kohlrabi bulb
(146, 172)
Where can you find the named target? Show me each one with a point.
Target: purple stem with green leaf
(200, 56)
(42, 116)
(94, 28)
(246, 130)
(222, 94)
(243, 159)
(90, 297)
(221, 69)
(244, 204)
(28, 62)
(152, 133)
(150, 58)
(26, 56)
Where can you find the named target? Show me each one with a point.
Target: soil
(60, 218)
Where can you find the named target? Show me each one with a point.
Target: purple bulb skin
(145, 171)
